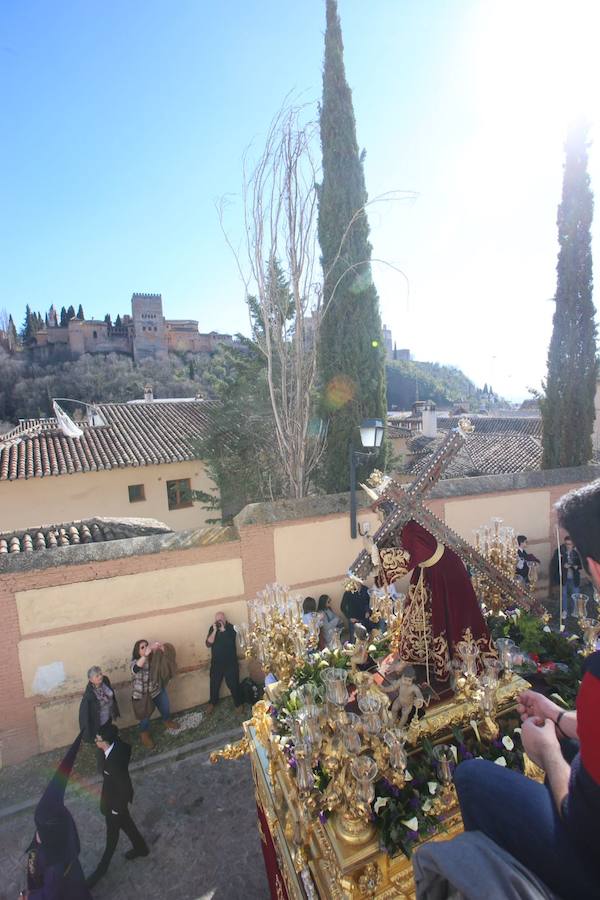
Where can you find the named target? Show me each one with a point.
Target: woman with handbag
(147, 691)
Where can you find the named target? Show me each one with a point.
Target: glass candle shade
(444, 762)
(335, 685)
(492, 669)
(506, 648)
(364, 770)
(305, 778)
(394, 739)
(370, 708)
(580, 605)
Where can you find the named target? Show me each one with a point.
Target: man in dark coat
(53, 868)
(223, 662)
(569, 572)
(117, 794)
(356, 606)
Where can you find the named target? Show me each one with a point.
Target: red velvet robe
(441, 608)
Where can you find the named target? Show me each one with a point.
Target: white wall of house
(25, 503)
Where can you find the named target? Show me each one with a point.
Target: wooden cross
(405, 503)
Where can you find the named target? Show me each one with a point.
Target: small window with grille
(136, 493)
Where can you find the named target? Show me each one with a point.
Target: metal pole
(561, 627)
(352, 493)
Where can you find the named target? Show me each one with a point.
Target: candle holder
(580, 605)
(305, 779)
(370, 708)
(590, 629)
(506, 648)
(336, 691)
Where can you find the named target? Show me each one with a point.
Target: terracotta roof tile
(135, 434)
(50, 537)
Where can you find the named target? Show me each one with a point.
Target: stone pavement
(199, 820)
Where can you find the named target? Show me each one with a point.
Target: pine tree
(27, 329)
(568, 404)
(351, 352)
(80, 315)
(64, 320)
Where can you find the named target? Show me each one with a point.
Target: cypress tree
(80, 315)
(71, 312)
(63, 317)
(568, 404)
(351, 352)
(27, 329)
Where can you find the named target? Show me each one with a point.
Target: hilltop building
(143, 334)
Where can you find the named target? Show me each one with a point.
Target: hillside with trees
(27, 388)
(445, 385)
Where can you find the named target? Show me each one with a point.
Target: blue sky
(124, 122)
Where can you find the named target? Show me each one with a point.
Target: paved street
(199, 820)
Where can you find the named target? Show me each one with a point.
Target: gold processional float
(353, 750)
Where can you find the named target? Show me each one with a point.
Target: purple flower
(413, 835)
(292, 762)
(414, 802)
(467, 755)
(322, 818)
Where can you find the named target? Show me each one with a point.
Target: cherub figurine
(409, 696)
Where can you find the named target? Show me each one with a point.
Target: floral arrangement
(408, 815)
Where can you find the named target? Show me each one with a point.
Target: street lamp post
(371, 436)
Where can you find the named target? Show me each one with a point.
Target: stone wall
(67, 609)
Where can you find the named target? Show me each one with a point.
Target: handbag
(142, 707)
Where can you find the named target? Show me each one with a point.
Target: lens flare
(340, 391)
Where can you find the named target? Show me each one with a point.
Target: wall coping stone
(332, 504)
(80, 554)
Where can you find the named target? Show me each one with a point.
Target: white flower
(380, 803)
(473, 725)
(372, 648)
(547, 629)
(454, 753)
(508, 742)
(517, 730)
(426, 806)
(433, 786)
(411, 824)
(407, 775)
(500, 761)
(479, 757)
(294, 695)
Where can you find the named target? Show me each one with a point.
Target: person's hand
(533, 705)
(539, 741)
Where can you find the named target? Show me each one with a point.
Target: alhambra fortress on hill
(145, 333)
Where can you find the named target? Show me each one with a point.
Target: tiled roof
(135, 434)
(90, 531)
(483, 454)
(531, 425)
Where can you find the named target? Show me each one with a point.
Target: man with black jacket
(224, 662)
(569, 572)
(117, 794)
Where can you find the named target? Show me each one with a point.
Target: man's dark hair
(109, 732)
(579, 514)
(521, 538)
(323, 601)
(309, 605)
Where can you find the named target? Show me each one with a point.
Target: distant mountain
(409, 381)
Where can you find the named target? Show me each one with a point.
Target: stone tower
(149, 327)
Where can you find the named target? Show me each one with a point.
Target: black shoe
(133, 853)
